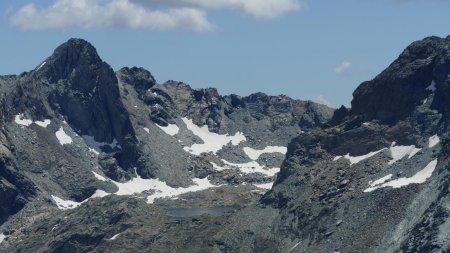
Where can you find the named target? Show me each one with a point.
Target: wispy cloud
(141, 14)
(343, 67)
(255, 8)
(322, 100)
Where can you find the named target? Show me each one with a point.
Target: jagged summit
(140, 78)
(71, 56)
(421, 68)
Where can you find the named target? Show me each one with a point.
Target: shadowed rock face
(140, 78)
(86, 91)
(393, 94)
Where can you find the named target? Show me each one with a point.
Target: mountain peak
(399, 89)
(73, 55)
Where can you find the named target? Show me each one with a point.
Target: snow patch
(162, 190)
(255, 154)
(432, 86)
(146, 130)
(99, 177)
(63, 138)
(252, 167)
(65, 204)
(43, 123)
(170, 129)
(419, 178)
(357, 159)
(293, 247)
(381, 180)
(266, 186)
(212, 142)
(433, 141)
(21, 120)
(217, 167)
(398, 152)
(114, 237)
(42, 65)
(2, 237)
(69, 204)
(95, 146)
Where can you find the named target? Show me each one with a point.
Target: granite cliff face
(88, 154)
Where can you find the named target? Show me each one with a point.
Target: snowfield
(212, 142)
(397, 153)
(63, 138)
(156, 189)
(419, 178)
(170, 129)
(254, 154)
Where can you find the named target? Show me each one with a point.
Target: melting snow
(170, 129)
(2, 237)
(381, 180)
(357, 159)
(419, 178)
(266, 186)
(213, 142)
(146, 130)
(397, 153)
(95, 146)
(253, 167)
(43, 123)
(254, 154)
(162, 190)
(432, 86)
(69, 204)
(217, 167)
(99, 177)
(40, 66)
(63, 138)
(295, 246)
(21, 120)
(114, 237)
(433, 141)
(65, 204)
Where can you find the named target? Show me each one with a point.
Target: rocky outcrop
(331, 195)
(398, 90)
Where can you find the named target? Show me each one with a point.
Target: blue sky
(317, 49)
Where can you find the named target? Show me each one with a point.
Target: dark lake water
(197, 211)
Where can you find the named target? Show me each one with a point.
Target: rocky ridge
(78, 139)
(374, 178)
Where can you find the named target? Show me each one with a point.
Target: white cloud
(322, 100)
(255, 8)
(141, 14)
(100, 13)
(343, 67)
